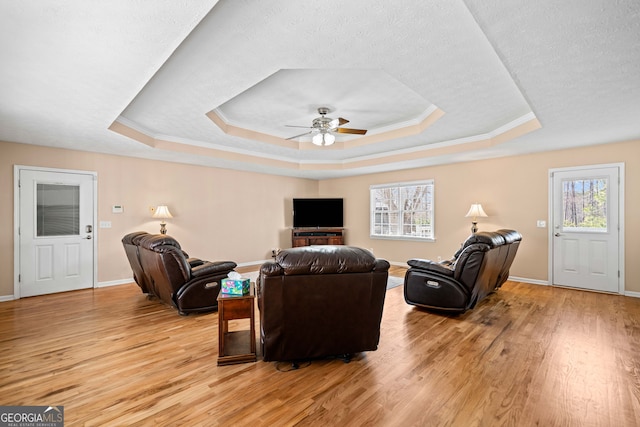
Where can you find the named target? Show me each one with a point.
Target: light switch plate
(541, 223)
(105, 224)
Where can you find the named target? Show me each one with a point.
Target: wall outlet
(541, 223)
(105, 224)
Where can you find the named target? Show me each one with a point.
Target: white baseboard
(256, 264)
(532, 281)
(633, 294)
(4, 298)
(395, 263)
(113, 283)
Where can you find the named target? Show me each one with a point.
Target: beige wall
(218, 213)
(224, 214)
(514, 193)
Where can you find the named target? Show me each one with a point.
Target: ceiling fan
(323, 127)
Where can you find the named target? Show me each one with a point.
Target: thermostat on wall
(117, 209)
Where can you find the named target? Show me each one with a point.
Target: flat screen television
(317, 213)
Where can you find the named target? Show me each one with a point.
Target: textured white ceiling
(152, 71)
(369, 98)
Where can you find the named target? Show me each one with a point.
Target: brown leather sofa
(320, 301)
(162, 269)
(477, 269)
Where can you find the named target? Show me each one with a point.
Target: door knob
(88, 237)
(557, 234)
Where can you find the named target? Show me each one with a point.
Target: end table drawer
(238, 309)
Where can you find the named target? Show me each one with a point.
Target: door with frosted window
(56, 231)
(585, 229)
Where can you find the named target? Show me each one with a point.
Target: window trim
(430, 182)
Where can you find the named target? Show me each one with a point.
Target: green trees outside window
(402, 210)
(585, 204)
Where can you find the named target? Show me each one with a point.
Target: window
(402, 211)
(58, 210)
(584, 205)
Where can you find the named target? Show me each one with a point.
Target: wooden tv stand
(317, 236)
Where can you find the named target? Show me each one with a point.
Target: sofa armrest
(208, 268)
(428, 265)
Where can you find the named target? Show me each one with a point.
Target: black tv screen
(317, 213)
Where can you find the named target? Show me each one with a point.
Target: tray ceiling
(217, 83)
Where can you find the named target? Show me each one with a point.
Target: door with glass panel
(585, 228)
(56, 231)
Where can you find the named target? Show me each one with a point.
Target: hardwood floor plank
(526, 356)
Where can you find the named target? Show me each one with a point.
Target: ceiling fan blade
(302, 134)
(294, 126)
(337, 122)
(353, 131)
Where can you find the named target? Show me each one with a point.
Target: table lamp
(162, 212)
(475, 211)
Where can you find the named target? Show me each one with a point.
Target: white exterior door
(56, 231)
(586, 228)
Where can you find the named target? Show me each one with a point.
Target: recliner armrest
(447, 262)
(381, 265)
(194, 262)
(428, 265)
(208, 268)
(271, 268)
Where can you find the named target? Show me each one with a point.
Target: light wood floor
(526, 356)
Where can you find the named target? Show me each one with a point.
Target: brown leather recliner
(479, 268)
(189, 284)
(130, 243)
(320, 301)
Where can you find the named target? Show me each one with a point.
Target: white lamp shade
(323, 139)
(162, 211)
(476, 211)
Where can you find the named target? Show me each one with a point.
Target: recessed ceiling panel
(369, 99)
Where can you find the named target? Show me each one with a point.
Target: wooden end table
(236, 346)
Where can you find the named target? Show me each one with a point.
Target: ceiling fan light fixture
(323, 139)
(323, 128)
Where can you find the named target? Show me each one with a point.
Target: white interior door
(586, 228)
(56, 231)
